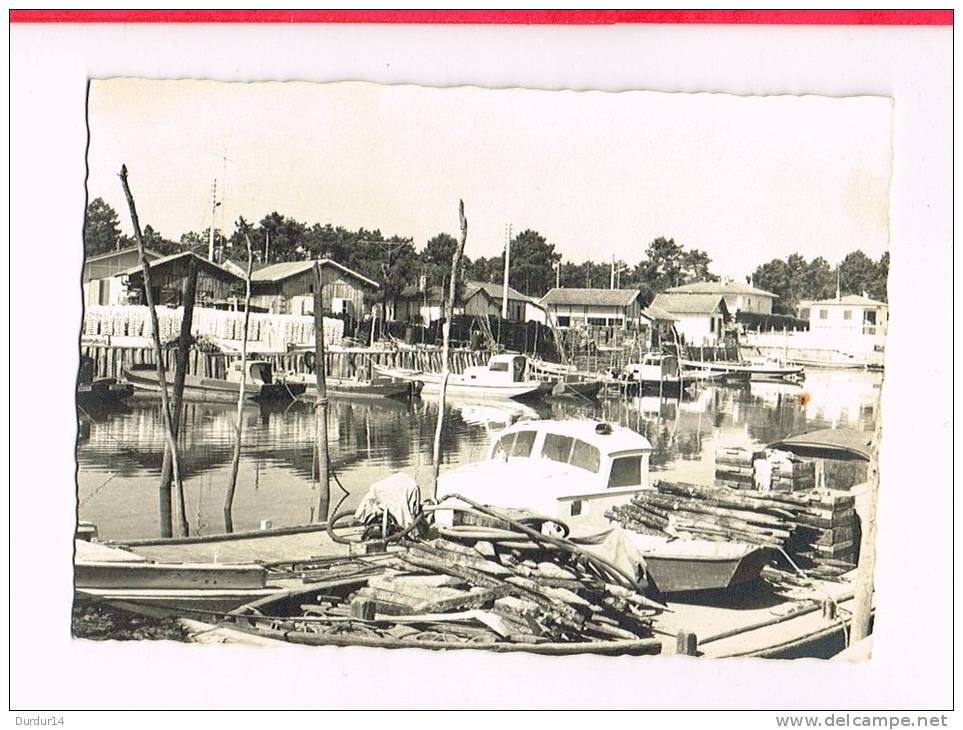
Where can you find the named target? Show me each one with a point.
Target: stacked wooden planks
(829, 533)
(816, 529)
(708, 513)
(736, 468)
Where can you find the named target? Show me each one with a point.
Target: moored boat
(260, 384)
(768, 367)
(576, 471)
(502, 377)
(347, 388)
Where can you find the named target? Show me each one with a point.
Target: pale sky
(747, 179)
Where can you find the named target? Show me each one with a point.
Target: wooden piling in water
(158, 350)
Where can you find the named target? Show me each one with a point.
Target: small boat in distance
(503, 377)
(658, 371)
(260, 385)
(763, 367)
(348, 388)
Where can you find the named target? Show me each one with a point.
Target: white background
(911, 668)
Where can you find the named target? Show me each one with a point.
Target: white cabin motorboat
(574, 471)
(503, 377)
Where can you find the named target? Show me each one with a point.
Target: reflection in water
(119, 462)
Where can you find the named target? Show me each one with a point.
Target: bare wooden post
(158, 353)
(321, 403)
(180, 373)
(445, 331)
(863, 603)
(236, 459)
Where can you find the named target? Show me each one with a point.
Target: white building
(739, 296)
(846, 316)
(699, 318)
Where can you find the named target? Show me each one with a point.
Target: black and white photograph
(460, 369)
(365, 365)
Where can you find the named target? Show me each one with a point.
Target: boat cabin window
(498, 367)
(568, 450)
(585, 456)
(626, 471)
(518, 444)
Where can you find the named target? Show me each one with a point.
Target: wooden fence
(110, 362)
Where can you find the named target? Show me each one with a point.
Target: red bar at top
(496, 17)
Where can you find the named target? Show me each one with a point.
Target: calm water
(119, 462)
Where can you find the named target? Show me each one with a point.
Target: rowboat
(347, 388)
(695, 565)
(502, 377)
(118, 576)
(769, 367)
(568, 380)
(259, 386)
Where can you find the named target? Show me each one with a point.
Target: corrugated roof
(690, 303)
(849, 299)
(287, 269)
(720, 287)
(492, 290)
(590, 297)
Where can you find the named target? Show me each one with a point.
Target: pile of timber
(442, 592)
(708, 513)
(816, 529)
(736, 468)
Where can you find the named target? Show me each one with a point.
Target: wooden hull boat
(588, 389)
(460, 385)
(103, 393)
(122, 577)
(345, 388)
(751, 370)
(675, 566)
(213, 389)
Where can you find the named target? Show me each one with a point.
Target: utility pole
(508, 257)
(558, 274)
(214, 204)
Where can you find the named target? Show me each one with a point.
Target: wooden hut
(169, 274)
(288, 288)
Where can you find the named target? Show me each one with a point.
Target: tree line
(534, 268)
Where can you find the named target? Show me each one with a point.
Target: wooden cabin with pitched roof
(288, 288)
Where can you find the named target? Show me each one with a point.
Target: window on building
(869, 316)
(626, 471)
(847, 314)
(564, 321)
(804, 313)
(598, 321)
(824, 314)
